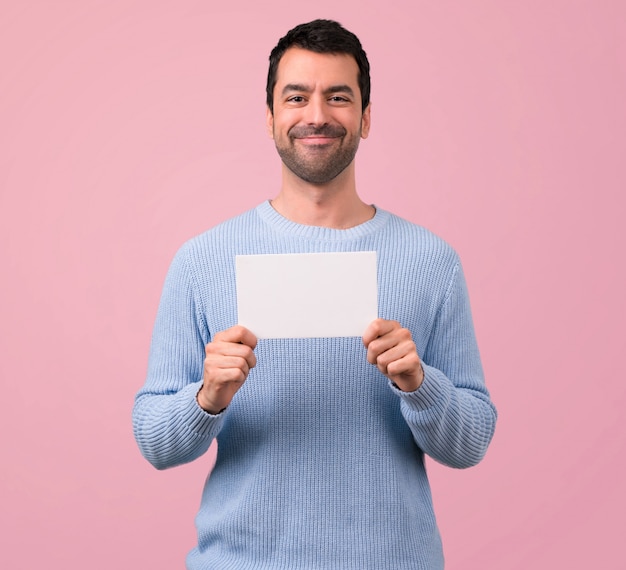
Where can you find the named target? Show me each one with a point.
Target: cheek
(281, 129)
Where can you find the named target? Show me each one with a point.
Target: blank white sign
(307, 295)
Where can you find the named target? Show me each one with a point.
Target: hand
(229, 358)
(391, 348)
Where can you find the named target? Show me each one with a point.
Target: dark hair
(321, 36)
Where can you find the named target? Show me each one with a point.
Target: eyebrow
(291, 87)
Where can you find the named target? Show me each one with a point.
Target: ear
(269, 122)
(365, 121)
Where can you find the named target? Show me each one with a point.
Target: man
(321, 442)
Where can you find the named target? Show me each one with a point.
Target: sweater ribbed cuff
(198, 421)
(427, 395)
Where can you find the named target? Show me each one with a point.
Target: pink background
(127, 127)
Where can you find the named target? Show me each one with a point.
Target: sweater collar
(283, 225)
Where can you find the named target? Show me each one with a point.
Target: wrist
(205, 405)
(413, 384)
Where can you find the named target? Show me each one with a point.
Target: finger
(398, 337)
(224, 369)
(230, 355)
(225, 361)
(226, 375)
(237, 334)
(395, 353)
(219, 348)
(408, 364)
(377, 328)
(237, 354)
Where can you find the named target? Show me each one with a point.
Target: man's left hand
(391, 348)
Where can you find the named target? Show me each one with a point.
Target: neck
(332, 205)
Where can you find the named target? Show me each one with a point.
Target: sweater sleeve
(169, 425)
(451, 415)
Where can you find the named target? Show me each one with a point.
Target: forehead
(302, 66)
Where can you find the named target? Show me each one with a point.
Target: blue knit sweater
(320, 461)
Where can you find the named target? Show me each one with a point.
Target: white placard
(307, 295)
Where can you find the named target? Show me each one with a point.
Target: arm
(170, 425)
(445, 402)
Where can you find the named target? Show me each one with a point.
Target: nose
(316, 112)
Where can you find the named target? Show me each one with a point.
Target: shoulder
(412, 240)
(212, 252)
(222, 237)
(225, 231)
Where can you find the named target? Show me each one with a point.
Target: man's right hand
(229, 358)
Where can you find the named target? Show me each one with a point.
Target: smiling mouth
(316, 140)
(325, 134)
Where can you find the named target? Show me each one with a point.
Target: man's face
(317, 120)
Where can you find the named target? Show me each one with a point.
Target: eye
(296, 99)
(338, 99)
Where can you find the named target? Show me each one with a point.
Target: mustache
(300, 132)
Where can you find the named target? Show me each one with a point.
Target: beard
(318, 164)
